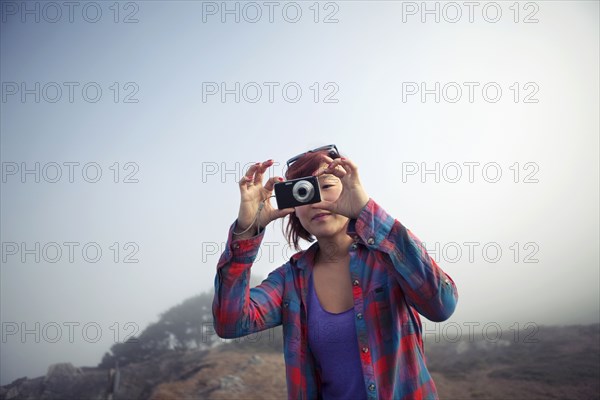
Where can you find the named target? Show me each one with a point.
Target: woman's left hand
(353, 197)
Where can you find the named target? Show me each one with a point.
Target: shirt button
(370, 241)
(355, 282)
(359, 316)
(372, 387)
(365, 349)
(354, 246)
(236, 246)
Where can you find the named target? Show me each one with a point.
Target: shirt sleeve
(237, 309)
(427, 288)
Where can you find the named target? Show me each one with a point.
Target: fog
(125, 127)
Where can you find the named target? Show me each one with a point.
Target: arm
(429, 290)
(237, 309)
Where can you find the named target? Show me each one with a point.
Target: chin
(323, 233)
(328, 231)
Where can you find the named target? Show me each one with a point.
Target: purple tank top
(333, 342)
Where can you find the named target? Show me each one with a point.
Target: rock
(255, 360)
(23, 388)
(60, 377)
(231, 383)
(62, 371)
(12, 393)
(12, 390)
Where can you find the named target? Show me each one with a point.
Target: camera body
(297, 192)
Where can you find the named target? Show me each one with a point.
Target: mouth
(320, 216)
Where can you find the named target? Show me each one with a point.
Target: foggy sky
(180, 150)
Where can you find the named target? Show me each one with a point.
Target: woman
(349, 304)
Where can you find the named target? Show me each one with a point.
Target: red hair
(304, 166)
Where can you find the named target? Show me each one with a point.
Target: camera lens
(303, 191)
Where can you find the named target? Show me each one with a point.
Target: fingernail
(343, 159)
(280, 179)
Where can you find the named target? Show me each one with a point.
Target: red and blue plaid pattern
(394, 280)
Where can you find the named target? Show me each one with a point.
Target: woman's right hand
(253, 193)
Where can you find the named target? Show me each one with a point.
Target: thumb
(325, 205)
(283, 213)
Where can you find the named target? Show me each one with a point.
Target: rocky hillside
(215, 374)
(180, 357)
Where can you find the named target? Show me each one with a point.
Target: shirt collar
(306, 258)
(351, 229)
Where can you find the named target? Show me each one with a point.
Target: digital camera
(297, 192)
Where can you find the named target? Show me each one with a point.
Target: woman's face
(323, 223)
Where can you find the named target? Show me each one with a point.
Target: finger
(327, 169)
(335, 168)
(320, 171)
(250, 172)
(339, 161)
(325, 205)
(283, 213)
(327, 159)
(272, 181)
(260, 170)
(243, 181)
(348, 165)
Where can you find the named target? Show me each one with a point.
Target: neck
(334, 249)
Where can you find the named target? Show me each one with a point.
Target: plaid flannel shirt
(394, 279)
